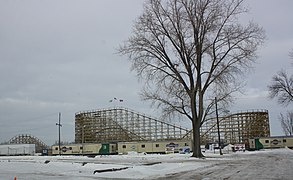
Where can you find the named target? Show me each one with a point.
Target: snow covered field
(267, 164)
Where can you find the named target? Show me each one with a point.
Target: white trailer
(17, 149)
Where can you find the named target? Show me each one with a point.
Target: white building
(17, 149)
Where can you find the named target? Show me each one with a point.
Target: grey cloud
(59, 56)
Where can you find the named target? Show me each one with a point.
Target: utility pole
(219, 137)
(59, 128)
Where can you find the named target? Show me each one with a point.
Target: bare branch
(190, 50)
(282, 88)
(287, 123)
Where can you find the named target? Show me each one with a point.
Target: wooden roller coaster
(124, 125)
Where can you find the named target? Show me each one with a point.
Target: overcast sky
(60, 56)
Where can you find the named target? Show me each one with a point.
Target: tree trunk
(196, 139)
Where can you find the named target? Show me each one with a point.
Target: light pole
(219, 137)
(59, 129)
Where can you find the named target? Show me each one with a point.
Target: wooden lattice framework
(123, 125)
(237, 128)
(28, 139)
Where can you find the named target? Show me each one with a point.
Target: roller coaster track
(121, 124)
(28, 139)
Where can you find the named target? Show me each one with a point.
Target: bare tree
(282, 88)
(291, 53)
(287, 123)
(189, 52)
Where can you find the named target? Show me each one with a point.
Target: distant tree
(281, 88)
(287, 123)
(189, 52)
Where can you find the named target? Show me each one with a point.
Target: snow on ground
(266, 164)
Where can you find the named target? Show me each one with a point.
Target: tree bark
(196, 139)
